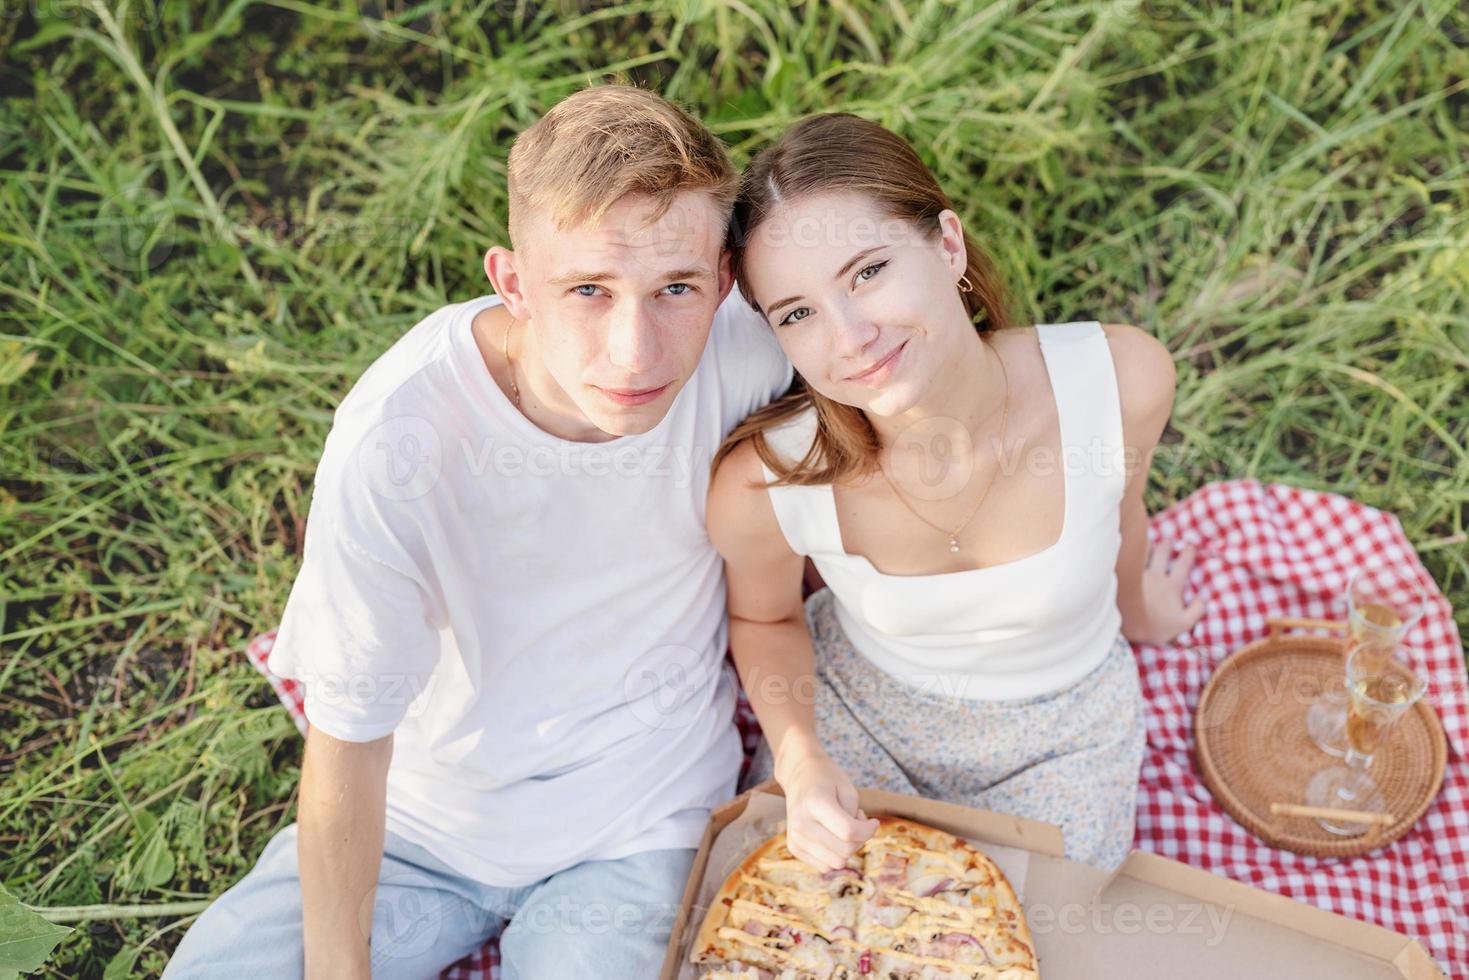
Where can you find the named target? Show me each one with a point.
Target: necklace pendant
(954, 545)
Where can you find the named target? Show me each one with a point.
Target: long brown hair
(836, 152)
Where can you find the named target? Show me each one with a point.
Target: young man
(509, 619)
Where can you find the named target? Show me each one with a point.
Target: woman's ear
(951, 240)
(500, 270)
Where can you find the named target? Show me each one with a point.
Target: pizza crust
(719, 906)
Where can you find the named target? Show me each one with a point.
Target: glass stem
(1357, 760)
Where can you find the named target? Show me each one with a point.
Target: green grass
(213, 217)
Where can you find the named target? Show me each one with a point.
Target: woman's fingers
(813, 852)
(847, 799)
(1182, 563)
(837, 821)
(825, 825)
(815, 833)
(811, 829)
(1195, 610)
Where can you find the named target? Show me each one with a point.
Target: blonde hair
(841, 152)
(598, 144)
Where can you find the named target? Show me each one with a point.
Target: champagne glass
(1381, 686)
(1383, 603)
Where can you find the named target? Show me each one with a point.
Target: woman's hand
(1162, 594)
(824, 826)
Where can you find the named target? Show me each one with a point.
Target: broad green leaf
(120, 967)
(26, 939)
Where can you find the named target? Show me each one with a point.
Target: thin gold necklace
(999, 456)
(509, 364)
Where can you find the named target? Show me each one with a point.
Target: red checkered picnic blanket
(1264, 551)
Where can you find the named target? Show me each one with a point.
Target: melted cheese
(801, 955)
(968, 969)
(760, 942)
(764, 913)
(779, 864)
(965, 969)
(917, 925)
(996, 944)
(939, 907)
(890, 844)
(792, 896)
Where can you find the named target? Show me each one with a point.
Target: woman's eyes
(683, 287)
(874, 268)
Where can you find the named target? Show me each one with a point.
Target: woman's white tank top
(1016, 630)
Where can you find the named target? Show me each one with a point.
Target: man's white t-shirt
(540, 623)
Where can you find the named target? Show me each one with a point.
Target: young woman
(971, 493)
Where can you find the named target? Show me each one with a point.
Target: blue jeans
(605, 919)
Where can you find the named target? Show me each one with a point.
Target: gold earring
(965, 286)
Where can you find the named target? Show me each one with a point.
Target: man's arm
(340, 820)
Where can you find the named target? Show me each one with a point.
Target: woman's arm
(1149, 593)
(773, 655)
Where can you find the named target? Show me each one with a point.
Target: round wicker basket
(1252, 749)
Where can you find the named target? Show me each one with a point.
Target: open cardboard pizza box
(1152, 917)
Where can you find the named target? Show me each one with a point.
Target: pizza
(914, 903)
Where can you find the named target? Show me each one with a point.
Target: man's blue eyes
(874, 268)
(682, 286)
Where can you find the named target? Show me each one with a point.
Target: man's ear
(505, 279)
(724, 276)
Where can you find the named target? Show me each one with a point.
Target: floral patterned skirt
(1069, 758)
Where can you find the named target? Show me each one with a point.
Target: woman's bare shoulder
(1145, 382)
(1146, 376)
(763, 571)
(739, 515)
(739, 468)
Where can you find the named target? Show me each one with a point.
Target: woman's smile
(879, 373)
